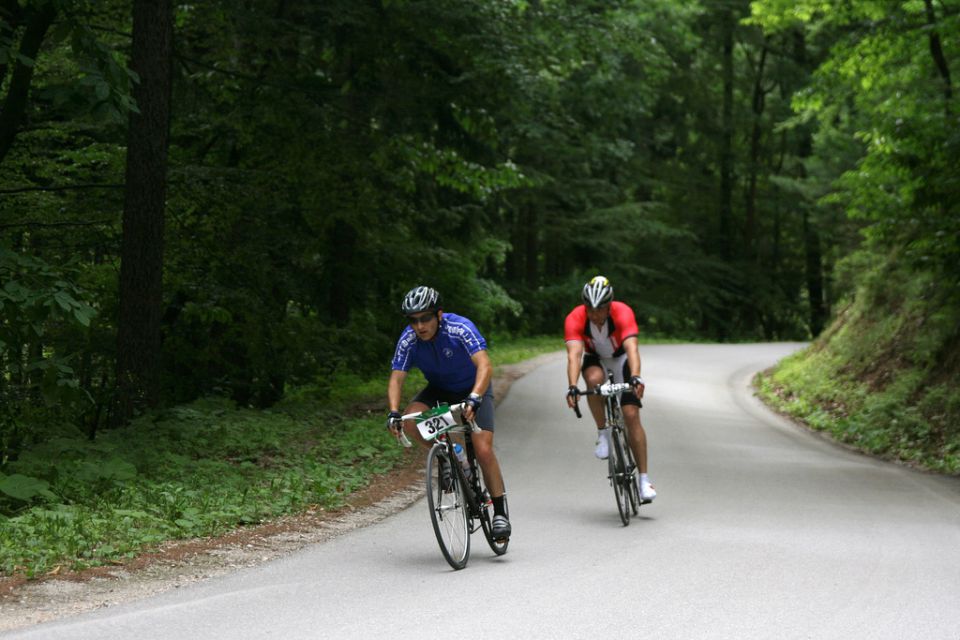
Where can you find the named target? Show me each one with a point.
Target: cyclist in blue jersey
(452, 354)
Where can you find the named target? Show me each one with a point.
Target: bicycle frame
(438, 428)
(621, 464)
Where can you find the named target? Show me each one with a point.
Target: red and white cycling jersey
(605, 341)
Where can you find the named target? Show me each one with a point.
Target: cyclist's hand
(470, 410)
(573, 394)
(394, 424)
(638, 386)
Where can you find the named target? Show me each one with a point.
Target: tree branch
(61, 188)
(44, 225)
(936, 50)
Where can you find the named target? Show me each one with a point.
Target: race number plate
(435, 421)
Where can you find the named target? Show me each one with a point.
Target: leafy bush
(41, 312)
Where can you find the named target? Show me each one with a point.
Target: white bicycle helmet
(420, 299)
(597, 292)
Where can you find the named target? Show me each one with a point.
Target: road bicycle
(621, 465)
(460, 503)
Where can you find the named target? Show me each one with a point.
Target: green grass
(201, 469)
(512, 351)
(884, 377)
(196, 470)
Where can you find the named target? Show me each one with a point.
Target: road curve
(760, 530)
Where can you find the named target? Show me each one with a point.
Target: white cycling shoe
(603, 444)
(647, 492)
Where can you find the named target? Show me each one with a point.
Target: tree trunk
(726, 138)
(532, 248)
(936, 50)
(750, 206)
(15, 104)
(342, 252)
(141, 272)
(515, 256)
(811, 242)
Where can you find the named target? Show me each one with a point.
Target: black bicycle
(458, 500)
(621, 464)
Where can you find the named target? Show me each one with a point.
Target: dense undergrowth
(885, 377)
(198, 470)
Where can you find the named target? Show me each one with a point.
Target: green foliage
(194, 470)
(886, 376)
(25, 488)
(39, 307)
(881, 85)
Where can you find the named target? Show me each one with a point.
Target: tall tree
(728, 23)
(36, 21)
(141, 272)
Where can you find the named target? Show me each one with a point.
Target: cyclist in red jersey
(601, 334)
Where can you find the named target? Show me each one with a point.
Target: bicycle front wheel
(618, 474)
(448, 508)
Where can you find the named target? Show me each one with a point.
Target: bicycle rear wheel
(618, 475)
(631, 480)
(448, 509)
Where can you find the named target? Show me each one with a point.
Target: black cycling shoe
(500, 529)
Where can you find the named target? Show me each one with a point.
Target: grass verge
(200, 470)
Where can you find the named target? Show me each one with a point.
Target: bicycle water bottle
(462, 457)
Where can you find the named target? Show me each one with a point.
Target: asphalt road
(760, 530)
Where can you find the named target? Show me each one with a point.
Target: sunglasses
(421, 319)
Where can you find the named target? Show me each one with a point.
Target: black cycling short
(627, 397)
(432, 396)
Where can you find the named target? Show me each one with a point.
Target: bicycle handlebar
(606, 390)
(454, 407)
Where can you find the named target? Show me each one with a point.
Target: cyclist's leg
(636, 436)
(483, 447)
(487, 459)
(594, 375)
(490, 466)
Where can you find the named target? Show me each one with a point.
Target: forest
(229, 199)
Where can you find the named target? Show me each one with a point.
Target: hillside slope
(885, 376)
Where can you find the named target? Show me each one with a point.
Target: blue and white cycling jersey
(445, 360)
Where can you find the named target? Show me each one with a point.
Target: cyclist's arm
(484, 373)
(632, 346)
(574, 361)
(481, 359)
(395, 389)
